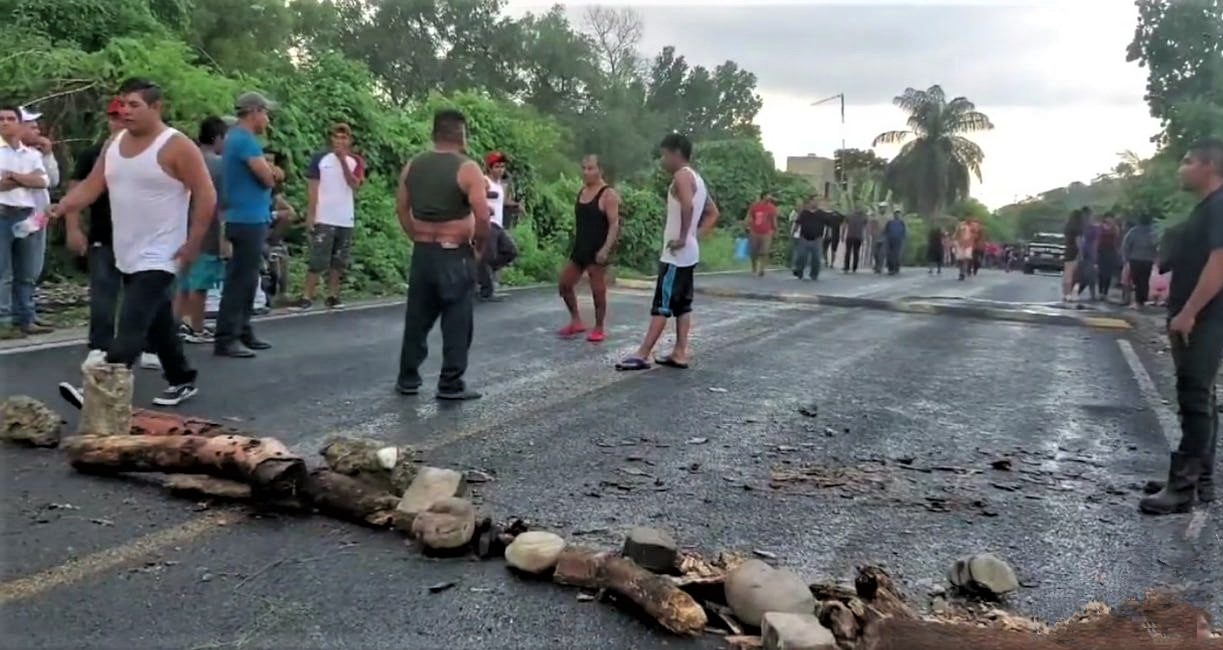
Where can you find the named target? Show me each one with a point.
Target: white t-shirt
(21, 160)
(336, 204)
(497, 203)
(690, 254)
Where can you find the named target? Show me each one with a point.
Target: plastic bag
(107, 409)
(741, 252)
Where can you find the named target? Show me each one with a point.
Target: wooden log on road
(656, 595)
(160, 423)
(349, 498)
(265, 463)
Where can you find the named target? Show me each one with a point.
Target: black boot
(1177, 494)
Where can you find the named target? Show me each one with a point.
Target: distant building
(819, 171)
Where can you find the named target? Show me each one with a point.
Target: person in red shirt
(761, 225)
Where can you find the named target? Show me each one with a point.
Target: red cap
(115, 107)
(495, 157)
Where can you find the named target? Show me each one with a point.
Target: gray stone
(787, 631)
(990, 573)
(754, 588)
(534, 551)
(652, 549)
(27, 421)
(448, 523)
(431, 484)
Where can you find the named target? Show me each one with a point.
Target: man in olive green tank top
(443, 208)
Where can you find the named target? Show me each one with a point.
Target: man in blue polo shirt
(249, 180)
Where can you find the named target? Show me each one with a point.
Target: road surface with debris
(823, 437)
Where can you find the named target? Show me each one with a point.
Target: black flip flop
(670, 363)
(633, 363)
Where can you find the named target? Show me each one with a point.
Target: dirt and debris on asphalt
(913, 415)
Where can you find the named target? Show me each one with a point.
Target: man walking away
(833, 221)
(499, 251)
(690, 210)
(1139, 250)
(597, 226)
(808, 246)
(442, 205)
(855, 232)
(878, 245)
(207, 272)
(248, 183)
(894, 234)
(153, 173)
(1195, 327)
(332, 178)
(36, 242)
(761, 224)
(1109, 255)
(934, 250)
(22, 175)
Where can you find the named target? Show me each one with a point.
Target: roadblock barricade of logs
(750, 603)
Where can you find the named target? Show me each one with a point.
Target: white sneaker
(150, 361)
(94, 358)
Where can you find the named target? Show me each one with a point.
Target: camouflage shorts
(330, 248)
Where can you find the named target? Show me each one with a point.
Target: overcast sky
(1051, 74)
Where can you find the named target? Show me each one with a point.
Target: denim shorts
(206, 273)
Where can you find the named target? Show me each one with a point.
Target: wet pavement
(914, 412)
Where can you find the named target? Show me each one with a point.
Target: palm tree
(932, 169)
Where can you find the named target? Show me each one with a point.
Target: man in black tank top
(597, 225)
(442, 206)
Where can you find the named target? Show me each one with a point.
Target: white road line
(1196, 524)
(1167, 419)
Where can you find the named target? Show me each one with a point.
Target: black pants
(830, 249)
(146, 316)
(1197, 363)
(241, 282)
(1107, 269)
(105, 281)
(893, 255)
(1140, 276)
(853, 249)
(441, 283)
(499, 252)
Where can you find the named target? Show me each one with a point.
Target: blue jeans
(17, 269)
(807, 253)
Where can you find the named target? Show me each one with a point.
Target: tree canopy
(934, 166)
(540, 87)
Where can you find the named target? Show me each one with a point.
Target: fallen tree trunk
(265, 463)
(159, 423)
(349, 498)
(656, 595)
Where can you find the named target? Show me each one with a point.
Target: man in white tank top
(499, 249)
(154, 176)
(690, 210)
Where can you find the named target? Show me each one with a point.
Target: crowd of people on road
(171, 218)
(1104, 253)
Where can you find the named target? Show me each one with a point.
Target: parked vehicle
(1045, 252)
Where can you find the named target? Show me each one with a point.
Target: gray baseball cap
(253, 101)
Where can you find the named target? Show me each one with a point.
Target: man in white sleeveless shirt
(499, 249)
(690, 210)
(153, 174)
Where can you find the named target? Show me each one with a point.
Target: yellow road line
(1106, 323)
(101, 561)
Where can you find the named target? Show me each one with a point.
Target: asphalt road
(912, 411)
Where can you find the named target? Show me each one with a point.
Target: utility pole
(840, 96)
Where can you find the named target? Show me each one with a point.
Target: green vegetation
(540, 88)
(935, 165)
